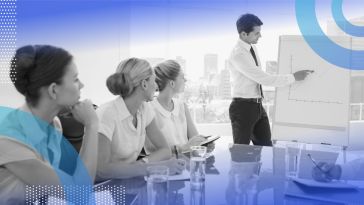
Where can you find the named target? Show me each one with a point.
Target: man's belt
(254, 100)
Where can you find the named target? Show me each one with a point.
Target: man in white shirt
(248, 118)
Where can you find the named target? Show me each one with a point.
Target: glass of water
(197, 195)
(197, 165)
(157, 185)
(293, 151)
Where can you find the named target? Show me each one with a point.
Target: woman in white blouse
(126, 120)
(172, 115)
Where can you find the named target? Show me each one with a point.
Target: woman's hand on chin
(84, 112)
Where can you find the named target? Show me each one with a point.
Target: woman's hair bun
(22, 65)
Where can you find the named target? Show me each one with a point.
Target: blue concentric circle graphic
(345, 25)
(322, 44)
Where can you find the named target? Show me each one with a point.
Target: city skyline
(155, 29)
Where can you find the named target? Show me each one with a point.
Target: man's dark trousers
(249, 121)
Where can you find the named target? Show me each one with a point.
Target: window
(357, 98)
(357, 89)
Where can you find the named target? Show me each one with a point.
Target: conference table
(232, 178)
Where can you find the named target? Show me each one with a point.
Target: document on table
(319, 191)
(185, 175)
(333, 184)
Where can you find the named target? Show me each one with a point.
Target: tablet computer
(209, 140)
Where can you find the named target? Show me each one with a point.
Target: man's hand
(302, 74)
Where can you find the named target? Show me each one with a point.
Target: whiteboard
(315, 110)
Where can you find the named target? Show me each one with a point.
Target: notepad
(331, 185)
(185, 175)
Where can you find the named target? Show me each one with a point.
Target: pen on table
(316, 165)
(175, 151)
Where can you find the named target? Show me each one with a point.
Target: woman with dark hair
(30, 138)
(127, 120)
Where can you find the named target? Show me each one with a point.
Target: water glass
(197, 196)
(157, 185)
(293, 151)
(197, 165)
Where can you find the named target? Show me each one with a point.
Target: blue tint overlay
(49, 143)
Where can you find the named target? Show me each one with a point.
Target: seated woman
(126, 120)
(30, 138)
(172, 115)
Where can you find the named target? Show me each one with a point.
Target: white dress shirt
(246, 75)
(116, 123)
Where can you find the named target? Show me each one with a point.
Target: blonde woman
(126, 120)
(172, 115)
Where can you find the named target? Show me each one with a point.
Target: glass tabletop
(245, 174)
